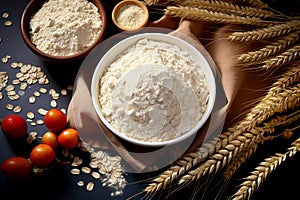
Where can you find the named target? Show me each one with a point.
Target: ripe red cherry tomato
(50, 138)
(16, 167)
(68, 138)
(42, 155)
(14, 126)
(55, 120)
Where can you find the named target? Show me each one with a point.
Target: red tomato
(55, 120)
(68, 138)
(14, 126)
(50, 138)
(42, 155)
(16, 167)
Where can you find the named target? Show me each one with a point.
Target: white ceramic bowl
(119, 48)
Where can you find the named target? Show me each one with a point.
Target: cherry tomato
(16, 167)
(55, 120)
(14, 126)
(68, 138)
(42, 155)
(50, 138)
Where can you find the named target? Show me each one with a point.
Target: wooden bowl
(125, 3)
(32, 7)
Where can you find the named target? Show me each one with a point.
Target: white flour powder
(65, 27)
(154, 91)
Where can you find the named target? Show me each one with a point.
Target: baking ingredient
(14, 126)
(50, 138)
(65, 27)
(68, 138)
(55, 120)
(130, 16)
(153, 92)
(42, 156)
(16, 167)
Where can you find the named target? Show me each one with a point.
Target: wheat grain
(228, 8)
(271, 49)
(280, 29)
(210, 16)
(289, 55)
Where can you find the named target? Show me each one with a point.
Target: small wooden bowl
(33, 7)
(117, 8)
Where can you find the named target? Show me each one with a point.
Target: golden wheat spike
(210, 16)
(270, 105)
(153, 2)
(289, 55)
(265, 168)
(241, 158)
(291, 76)
(227, 8)
(280, 29)
(269, 50)
(283, 102)
(255, 3)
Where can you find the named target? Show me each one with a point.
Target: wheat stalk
(224, 7)
(253, 181)
(230, 140)
(280, 29)
(192, 159)
(251, 132)
(270, 105)
(289, 55)
(269, 128)
(210, 16)
(270, 50)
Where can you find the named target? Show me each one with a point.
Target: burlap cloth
(238, 90)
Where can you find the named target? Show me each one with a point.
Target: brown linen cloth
(237, 90)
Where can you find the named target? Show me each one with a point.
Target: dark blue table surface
(61, 184)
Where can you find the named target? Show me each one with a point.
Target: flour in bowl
(153, 92)
(65, 27)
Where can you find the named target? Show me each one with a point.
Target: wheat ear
(154, 2)
(291, 76)
(192, 159)
(254, 3)
(280, 29)
(239, 160)
(269, 128)
(270, 105)
(284, 101)
(210, 16)
(253, 181)
(270, 50)
(289, 55)
(229, 8)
